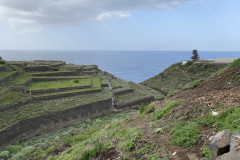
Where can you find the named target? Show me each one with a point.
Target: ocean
(135, 66)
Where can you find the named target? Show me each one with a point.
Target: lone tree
(195, 55)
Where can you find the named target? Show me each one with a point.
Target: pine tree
(195, 55)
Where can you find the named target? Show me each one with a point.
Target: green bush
(76, 81)
(55, 69)
(14, 148)
(184, 134)
(207, 153)
(164, 110)
(229, 119)
(2, 62)
(92, 153)
(4, 155)
(195, 83)
(142, 108)
(235, 63)
(23, 153)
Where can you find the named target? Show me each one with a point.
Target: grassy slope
(10, 117)
(181, 124)
(172, 78)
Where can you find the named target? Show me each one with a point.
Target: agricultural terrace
(35, 109)
(5, 74)
(59, 84)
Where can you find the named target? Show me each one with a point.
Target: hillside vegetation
(178, 76)
(175, 128)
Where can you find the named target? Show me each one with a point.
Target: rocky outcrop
(220, 143)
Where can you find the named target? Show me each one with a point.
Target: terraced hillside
(178, 76)
(180, 127)
(40, 101)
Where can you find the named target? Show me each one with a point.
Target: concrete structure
(224, 60)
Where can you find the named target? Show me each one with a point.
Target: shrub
(235, 63)
(92, 153)
(55, 69)
(76, 81)
(207, 153)
(195, 83)
(2, 62)
(4, 154)
(189, 63)
(24, 152)
(184, 134)
(169, 95)
(229, 119)
(14, 148)
(142, 107)
(164, 110)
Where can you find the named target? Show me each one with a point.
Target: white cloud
(29, 30)
(108, 15)
(48, 12)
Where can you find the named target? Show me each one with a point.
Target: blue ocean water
(135, 66)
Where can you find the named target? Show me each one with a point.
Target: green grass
(5, 74)
(195, 83)
(172, 79)
(58, 84)
(8, 96)
(164, 111)
(184, 134)
(11, 117)
(207, 153)
(21, 79)
(228, 119)
(235, 63)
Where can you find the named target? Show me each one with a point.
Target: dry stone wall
(145, 100)
(46, 123)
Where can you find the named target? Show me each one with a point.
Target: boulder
(234, 153)
(220, 143)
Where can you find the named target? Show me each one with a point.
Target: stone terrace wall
(2, 68)
(54, 79)
(54, 90)
(8, 78)
(42, 124)
(57, 74)
(51, 97)
(14, 105)
(145, 100)
(124, 91)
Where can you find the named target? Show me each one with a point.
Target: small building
(184, 62)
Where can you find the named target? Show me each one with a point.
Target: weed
(76, 81)
(207, 153)
(164, 110)
(195, 83)
(92, 153)
(4, 155)
(235, 63)
(14, 148)
(184, 134)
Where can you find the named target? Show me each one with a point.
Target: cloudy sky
(210, 25)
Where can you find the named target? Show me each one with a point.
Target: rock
(235, 142)
(192, 157)
(220, 143)
(174, 153)
(234, 153)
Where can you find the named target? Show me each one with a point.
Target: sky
(159, 25)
